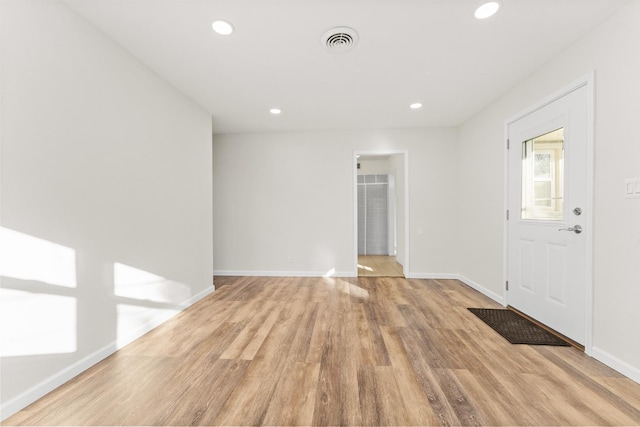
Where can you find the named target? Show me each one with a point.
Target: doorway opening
(380, 201)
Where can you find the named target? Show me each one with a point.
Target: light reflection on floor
(379, 266)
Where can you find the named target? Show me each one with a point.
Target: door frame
(405, 155)
(587, 81)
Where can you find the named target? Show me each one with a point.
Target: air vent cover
(339, 39)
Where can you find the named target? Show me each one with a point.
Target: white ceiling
(429, 51)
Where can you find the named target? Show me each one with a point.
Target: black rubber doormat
(515, 328)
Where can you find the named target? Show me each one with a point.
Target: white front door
(549, 218)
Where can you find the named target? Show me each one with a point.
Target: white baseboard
(613, 362)
(433, 276)
(160, 319)
(29, 396)
(330, 273)
(453, 276)
(608, 359)
(489, 293)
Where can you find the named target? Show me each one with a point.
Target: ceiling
(429, 51)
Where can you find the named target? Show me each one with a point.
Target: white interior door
(548, 226)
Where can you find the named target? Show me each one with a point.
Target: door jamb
(405, 155)
(587, 80)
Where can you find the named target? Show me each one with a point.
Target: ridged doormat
(515, 328)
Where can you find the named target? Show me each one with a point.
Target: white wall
(611, 50)
(284, 201)
(106, 199)
(374, 166)
(106, 175)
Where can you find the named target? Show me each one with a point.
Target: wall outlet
(632, 188)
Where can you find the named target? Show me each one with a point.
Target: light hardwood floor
(379, 266)
(324, 351)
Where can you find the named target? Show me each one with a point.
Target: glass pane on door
(543, 177)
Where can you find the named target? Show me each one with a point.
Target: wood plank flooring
(329, 351)
(379, 266)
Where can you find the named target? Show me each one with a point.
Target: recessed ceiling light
(222, 27)
(275, 111)
(487, 10)
(415, 106)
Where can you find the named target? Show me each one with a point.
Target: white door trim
(405, 155)
(587, 80)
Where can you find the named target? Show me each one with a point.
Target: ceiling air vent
(340, 39)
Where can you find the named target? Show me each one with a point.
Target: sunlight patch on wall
(135, 320)
(33, 323)
(131, 282)
(29, 258)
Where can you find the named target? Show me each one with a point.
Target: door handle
(576, 229)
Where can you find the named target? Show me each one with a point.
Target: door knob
(576, 229)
